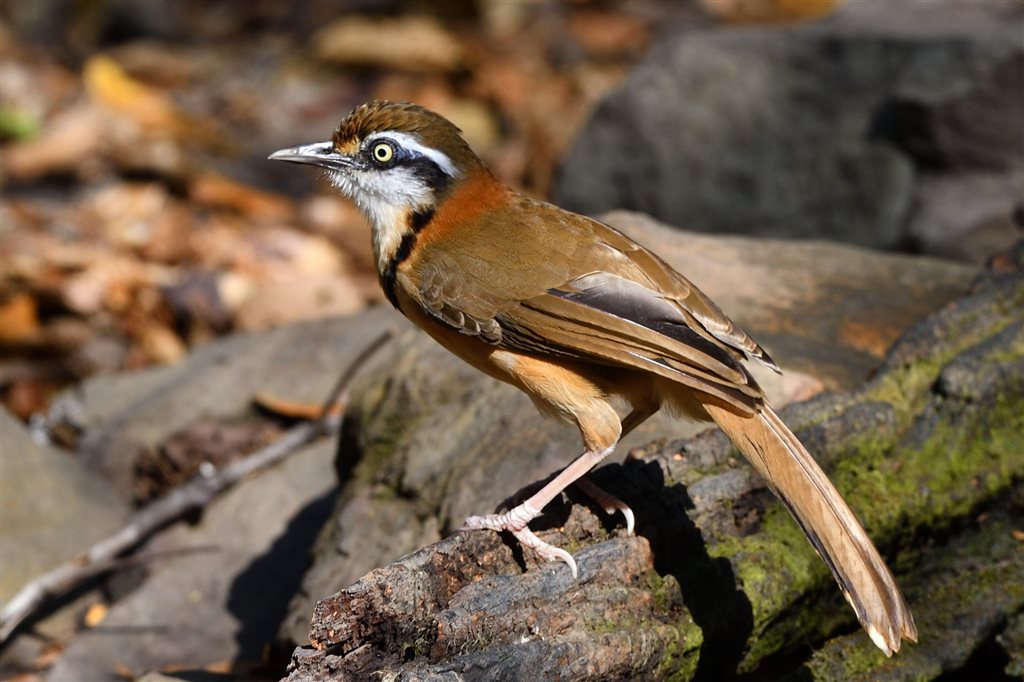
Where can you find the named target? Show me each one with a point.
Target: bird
(579, 317)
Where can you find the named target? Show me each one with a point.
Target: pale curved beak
(320, 154)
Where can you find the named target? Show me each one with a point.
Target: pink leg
(609, 502)
(516, 519)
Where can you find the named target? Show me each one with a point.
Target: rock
(51, 508)
(965, 216)
(120, 414)
(216, 591)
(859, 128)
(429, 440)
(720, 579)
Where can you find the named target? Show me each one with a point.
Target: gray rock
(965, 216)
(429, 440)
(837, 130)
(216, 591)
(51, 508)
(1012, 642)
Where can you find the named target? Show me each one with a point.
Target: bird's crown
(430, 129)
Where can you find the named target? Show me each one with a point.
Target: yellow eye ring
(383, 152)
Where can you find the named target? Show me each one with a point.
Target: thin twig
(195, 494)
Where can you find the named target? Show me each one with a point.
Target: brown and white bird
(576, 315)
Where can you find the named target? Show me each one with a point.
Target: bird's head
(397, 161)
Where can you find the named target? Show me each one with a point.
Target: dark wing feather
(690, 301)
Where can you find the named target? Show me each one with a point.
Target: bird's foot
(608, 502)
(515, 521)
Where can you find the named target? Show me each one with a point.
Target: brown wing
(601, 298)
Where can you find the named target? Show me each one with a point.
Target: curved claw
(608, 502)
(546, 551)
(515, 521)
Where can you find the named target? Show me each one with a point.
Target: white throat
(387, 197)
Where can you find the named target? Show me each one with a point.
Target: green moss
(969, 454)
(663, 591)
(776, 567)
(681, 654)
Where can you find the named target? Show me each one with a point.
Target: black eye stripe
(425, 168)
(429, 172)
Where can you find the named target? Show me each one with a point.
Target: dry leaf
(411, 43)
(126, 212)
(217, 191)
(608, 34)
(19, 319)
(768, 11)
(159, 343)
(71, 138)
(185, 452)
(1017, 535)
(95, 614)
(287, 408)
(25, 397)
(109, 85)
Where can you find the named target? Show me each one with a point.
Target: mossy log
(719, 579)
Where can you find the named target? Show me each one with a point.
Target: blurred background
(140, 219)
(140, 216)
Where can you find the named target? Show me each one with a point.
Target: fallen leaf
(160, 344)
(768, 11)
(198, 298)
(126, 212)
(608, 34)
(292, 409)
(112, 88)
(217, 191)
(108, 84)
(123, 670)
(340, 221)
(72, 137)
(205, 442)
(25, 397)
(19, 319)
(1017, 535)
(412, 43)
(95, 614)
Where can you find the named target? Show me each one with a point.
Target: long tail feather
(826, 519)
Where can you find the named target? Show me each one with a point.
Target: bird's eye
(383, 152)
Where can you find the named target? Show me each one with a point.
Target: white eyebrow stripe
(411, 143)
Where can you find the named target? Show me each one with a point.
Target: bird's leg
(516, 519)
(606, 500)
